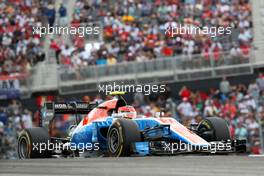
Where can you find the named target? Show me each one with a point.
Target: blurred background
(204, 76)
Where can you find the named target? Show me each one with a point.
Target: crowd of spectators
(135, 30)
(20, 47)
(132, 30)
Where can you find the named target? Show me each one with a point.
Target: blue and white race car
(113, 128)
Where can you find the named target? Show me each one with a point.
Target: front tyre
(33, 143)
(120, 137)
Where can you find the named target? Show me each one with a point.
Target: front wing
(173, 148)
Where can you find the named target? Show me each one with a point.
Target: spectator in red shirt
(167, 51)
(185, 92)
(55, 46)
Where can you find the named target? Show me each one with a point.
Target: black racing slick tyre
(33, 143)
(120, 137)
(214, 129)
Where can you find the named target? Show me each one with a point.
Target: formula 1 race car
(113, 128)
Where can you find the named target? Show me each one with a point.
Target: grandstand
(132, 48)
(138, 51)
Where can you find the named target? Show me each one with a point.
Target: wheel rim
(114, 140)
(23, 148)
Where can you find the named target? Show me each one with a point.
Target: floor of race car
(175, 165)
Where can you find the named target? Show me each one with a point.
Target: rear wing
(70, 108)
(50, 109)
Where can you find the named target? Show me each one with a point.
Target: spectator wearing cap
(185, 109)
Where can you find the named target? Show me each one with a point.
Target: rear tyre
(120, 137)
(214, 129)
(33, 143)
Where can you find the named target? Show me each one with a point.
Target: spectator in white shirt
(185, 109)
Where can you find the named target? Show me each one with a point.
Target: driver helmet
(127, 112)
